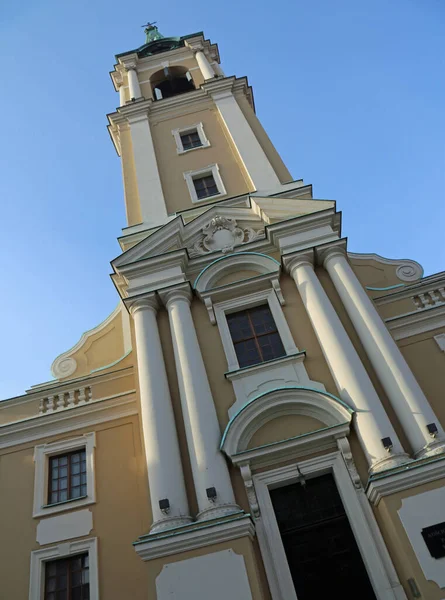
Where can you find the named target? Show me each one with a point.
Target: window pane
(239, 326)
(255, 336)
(205, 186)
(75, 458)
(190, 140)
(63, 495)
(271, 346)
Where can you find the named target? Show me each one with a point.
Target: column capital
(327, 251)
(179, 292)
(296, 259)
(148, 302)
(130, 67)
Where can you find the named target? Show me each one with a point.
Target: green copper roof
(157, 43)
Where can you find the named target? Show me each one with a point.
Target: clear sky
(351, 92)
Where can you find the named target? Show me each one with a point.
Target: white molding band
(417, 474)
(212, 170)
(42, 453)
(253, 157)
(405, 394)
(197, 536)
(366, 532)
(416, 322)
(355, 387)
(68, 420)
(40, 557)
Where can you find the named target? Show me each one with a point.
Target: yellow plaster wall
(427, 362)
(119, 516)
(283, 428)
(398, 543)
(132, 203)
(173, 165)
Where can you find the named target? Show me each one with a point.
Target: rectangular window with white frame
(64, 475)
(253, 329)
(68, 571)
(205, 183)
(190, 138)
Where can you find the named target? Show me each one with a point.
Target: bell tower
(186, 133)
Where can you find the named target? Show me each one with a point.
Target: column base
(218, 511)
(169, 523)
(390, 462)
(194, 536)
(434, 448)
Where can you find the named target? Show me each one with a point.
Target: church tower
(262, 416)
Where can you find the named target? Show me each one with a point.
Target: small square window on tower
(190, 138)
(205, 183)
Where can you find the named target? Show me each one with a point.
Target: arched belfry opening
(171, 81)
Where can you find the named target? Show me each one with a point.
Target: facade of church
(262, 416)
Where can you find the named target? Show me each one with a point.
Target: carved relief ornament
(223, 234)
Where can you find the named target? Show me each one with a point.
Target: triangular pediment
(221, 226)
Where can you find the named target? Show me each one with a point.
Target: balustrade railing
(65, 399)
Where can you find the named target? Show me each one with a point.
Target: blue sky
(351, 92)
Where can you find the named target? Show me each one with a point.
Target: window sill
(207, 198)
(233, 373)
(58, 507)
(191, 149)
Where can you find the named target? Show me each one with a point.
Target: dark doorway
(321, 550)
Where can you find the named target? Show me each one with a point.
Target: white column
(164, 468)
(133, 83)
(206, 69)
(355, 388)
(253, 157)
(407, 398)
(151, 196)
(201, 422)
(122, 99)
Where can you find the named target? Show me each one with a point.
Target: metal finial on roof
(151, 32)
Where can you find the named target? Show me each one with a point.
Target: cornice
(417, 322)
(423, 286)
(69, 419)
(181, 292)
(295, 259)
(325, 252)
(413, 475)
(198, 535)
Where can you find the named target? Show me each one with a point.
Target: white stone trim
(213, 170)
(406, 269)
(319, 405)
(369, 540)
(198, 127)
(68, 420)
(152, 547)
(65, 365)
(40, 557)
(42, 453)
(222, 309)
(412, 476)
(417, 322)
(440, 341)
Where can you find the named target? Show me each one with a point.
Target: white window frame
(369, 540)
(190, 176)
(198, 127)
(222, 309)
(42, 454)
(40, 557)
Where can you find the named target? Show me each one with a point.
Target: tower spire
(151, 32)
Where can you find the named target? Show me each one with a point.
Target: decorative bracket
(345, 449)
(246, 474)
